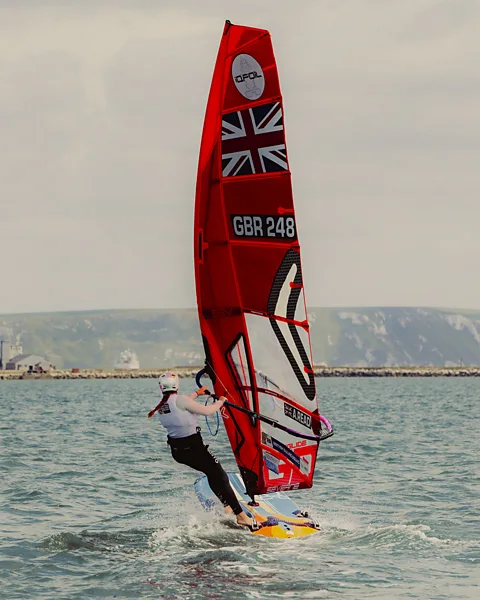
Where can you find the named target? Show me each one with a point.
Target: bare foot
(228, 510)
(242, 519)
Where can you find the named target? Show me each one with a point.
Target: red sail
(248, 272)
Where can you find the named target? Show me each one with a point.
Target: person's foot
(244, 520)
(228, 510)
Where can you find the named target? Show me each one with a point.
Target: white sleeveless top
(178, 423)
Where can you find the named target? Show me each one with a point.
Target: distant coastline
(192, 371)
(373, 336)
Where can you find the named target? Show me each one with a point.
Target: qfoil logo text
(248, 76)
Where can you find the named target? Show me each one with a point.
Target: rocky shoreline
(191, 372)
(397, 371)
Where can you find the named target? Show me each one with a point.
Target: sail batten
(249, 280)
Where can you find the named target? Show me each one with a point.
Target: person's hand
(203, 391)
(222, 400)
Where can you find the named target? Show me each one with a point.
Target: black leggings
(191, 451)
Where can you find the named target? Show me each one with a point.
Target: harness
(186, 443)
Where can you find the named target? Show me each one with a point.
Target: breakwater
(192, 371)
(397, 371)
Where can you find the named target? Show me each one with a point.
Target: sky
(101, 113)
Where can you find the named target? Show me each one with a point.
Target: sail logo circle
(248, 76)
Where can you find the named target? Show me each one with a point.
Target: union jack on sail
(253, 141)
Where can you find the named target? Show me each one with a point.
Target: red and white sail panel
(249, 279)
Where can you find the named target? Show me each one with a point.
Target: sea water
(93, 506)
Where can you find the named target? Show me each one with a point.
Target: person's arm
(186, 403)
(203, 391)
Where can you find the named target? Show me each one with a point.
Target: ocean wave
(402, 537)
(126, 541)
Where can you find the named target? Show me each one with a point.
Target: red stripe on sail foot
(291, 466)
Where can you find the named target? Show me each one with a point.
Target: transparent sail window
(239, 362)
(272, 367)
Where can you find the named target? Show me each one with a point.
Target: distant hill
(95, 339)
(162, 338)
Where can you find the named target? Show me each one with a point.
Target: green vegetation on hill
(95, 339)
(160, 338)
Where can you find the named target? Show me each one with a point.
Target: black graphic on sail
(282, 306)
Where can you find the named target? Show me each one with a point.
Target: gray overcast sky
(101, 112)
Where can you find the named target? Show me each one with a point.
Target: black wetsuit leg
(196, 455)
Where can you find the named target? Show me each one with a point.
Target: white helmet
(169, 382)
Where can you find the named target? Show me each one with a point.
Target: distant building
(44, 366)
(29, 362)
(8, 351)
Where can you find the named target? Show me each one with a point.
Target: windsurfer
(178, 414)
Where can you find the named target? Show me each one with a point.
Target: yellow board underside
(277, 531)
